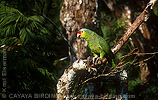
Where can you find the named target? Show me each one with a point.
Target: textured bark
(70, 78)
(76, 14)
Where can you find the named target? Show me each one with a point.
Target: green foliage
(114, 31)
(32, 47)
(156, 10)
(136, 14)
(133, 83)
(14, 24)
(45, 72)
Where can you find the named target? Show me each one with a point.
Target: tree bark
(76, 14)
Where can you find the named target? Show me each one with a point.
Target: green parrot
(98, 45)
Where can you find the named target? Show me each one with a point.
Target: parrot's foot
(92, 70)
(97, 60)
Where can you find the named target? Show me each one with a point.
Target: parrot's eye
(81, 31)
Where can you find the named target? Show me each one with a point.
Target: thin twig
(130, 53)
(108, 74)
(153, 53)
(132, 63)
(144, 60)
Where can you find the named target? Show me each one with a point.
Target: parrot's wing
(104, 46)
(101, 51)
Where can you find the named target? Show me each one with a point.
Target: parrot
(97, 44)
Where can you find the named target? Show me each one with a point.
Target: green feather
(98, 45)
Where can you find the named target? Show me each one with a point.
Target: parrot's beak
(78, 35)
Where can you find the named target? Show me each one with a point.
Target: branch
(139, 20)
(67, 81)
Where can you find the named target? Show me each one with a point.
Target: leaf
(10, 31)
(23, 35)
(155, 10)
(32, 35)
(46, 73)
(36, 19)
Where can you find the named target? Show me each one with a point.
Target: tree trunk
(76, 14)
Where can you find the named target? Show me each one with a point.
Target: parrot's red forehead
(79, 32)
